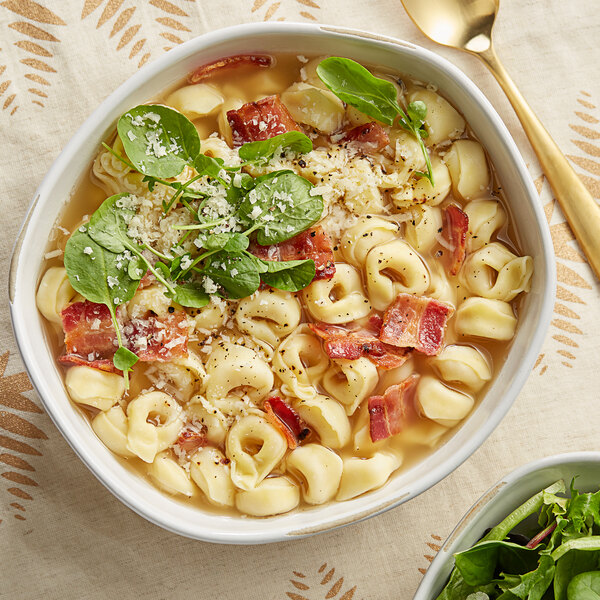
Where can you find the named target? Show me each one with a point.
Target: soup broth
(283, 399)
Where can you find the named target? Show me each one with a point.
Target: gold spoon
(467, 25)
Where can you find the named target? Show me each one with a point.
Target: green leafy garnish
(562, 561)
(290, 275)
(235, 272)
(375, 97)
(265, 150)
(124, 359)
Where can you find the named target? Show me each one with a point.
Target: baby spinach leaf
(264, 150)
(280, 207)
(207, 165)
(93, 272)
(108, 224)
(416, 112)
(355, 85)
(136, 268)
(571, 564)
(585, 586)
(191, 294)
(124, 359)
(158, 140)
(290, 275)
(236, 273)
(478, 564)
(230, 242)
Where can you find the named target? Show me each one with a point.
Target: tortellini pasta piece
(300, 362)
(150, 299)
(393, 268)
(155, 420)
(495, 272)
(210, 417)
(255, 447)
(468, 168)
(111, 427)
(486, 217)
(209, 317)
(423, 433)
(423, 229)
(183, 374)
(93, 387)
(440, 287)
(194, 101)
(361, 475)
(232, 368)
(407, 151)
(339, 299)
(354, 116)
(170, 475)
(319, 471)
(440, 403)
(212, 474)
(268, 315)
(351, 381)
(54, 293)
(464, 365)
(421, 191)
(272, 496)
(314, 106)
(362, 444)
(327, 417)
(366, 233)
(443, 121)
(224, 127)
(482, 317)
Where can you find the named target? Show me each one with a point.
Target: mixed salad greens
(105, 262)
(561, 560)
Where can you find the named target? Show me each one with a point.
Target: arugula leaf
(230, 242)
(280, 207)
(531, 585)
(236, 273)
(264, 150)
(191, 294)
(290, 275)
(355, 85)
(158, 140)
(124, 359)
(585, 586)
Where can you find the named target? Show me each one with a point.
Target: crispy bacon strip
(102, 364)
(260, 120)
(285, 418)
(313, 243)
(390, 412)
(457, 226)
(349, 344)
(368, 138)
(90, 338)
(190, 439)
(416, 322)
(230, 62)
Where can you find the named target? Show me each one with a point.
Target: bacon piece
(147, 280)
(285, 418)
(390, 412)
(260, 120)
(349, 344)
(313, 243)
(190, 439)
(369, 138)
(457, 226)
(102, 364)
(416, 322)
(230, 62)
(90, 338)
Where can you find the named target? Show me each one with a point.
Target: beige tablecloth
(62, 535)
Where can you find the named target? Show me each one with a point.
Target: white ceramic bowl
(500, 500)
(58, 184)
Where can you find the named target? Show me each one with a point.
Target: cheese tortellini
(93, 387)
(482, 317)
(443, 121)
(351, 381)
(339, 299)
(368, 232)
(272, 496)
(424, 227)
(486, 217)
(54, 293)
(468, 169)
(170, 476)
(111, 427)
(394, 268)
(361, 475)
(327, 418)
(464, 365)
(211, 472)
(441, 403)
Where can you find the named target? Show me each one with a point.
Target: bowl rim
(149, 71)
(454, 541)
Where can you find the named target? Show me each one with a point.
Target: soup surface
(280, 285)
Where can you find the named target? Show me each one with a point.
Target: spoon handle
(580, 209)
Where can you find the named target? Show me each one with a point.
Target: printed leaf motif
(321, 585)
(299, 9)
(36, 55)
(15, 469)
(435, 546)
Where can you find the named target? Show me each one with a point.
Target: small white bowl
(64, 174)
(500, 500)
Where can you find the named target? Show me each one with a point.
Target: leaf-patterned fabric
(62, 534)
